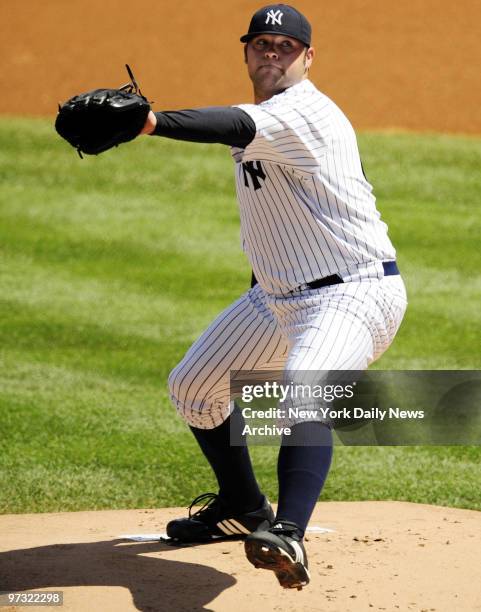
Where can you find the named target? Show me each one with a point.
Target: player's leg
(343, 327)
(244, 336)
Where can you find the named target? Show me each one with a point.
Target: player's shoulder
(308, 101)
(303, 100)
(301, 115)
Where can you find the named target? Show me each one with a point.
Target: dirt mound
(380, 556)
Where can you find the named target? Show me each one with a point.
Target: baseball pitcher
(326, 292)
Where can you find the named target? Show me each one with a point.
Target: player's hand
(150, 124)
(98, 120)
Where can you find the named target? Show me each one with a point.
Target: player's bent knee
(181, 385)
(209, 417)
(191, 405)
(191, 417)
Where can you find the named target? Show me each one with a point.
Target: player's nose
(271, 54)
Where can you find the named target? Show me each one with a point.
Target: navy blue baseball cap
(279, 19)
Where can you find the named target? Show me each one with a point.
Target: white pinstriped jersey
(306, 208)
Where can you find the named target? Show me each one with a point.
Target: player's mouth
(270, 66)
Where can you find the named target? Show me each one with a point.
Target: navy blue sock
(231, 464)
(302, 470)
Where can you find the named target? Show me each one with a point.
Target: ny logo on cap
(274, 17)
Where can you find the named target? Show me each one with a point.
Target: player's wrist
(150, 124)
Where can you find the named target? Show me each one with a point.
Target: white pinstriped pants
(340, 327)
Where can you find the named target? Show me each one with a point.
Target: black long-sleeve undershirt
(216, 124)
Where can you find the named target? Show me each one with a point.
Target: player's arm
(217, 124)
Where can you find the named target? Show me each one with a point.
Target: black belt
(390, 269)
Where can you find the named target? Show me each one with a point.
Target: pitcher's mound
(380, 556)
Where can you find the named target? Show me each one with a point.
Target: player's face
(275, 62)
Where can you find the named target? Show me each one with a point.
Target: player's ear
(308, 57)
(245, 53)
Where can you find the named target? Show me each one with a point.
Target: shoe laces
(209, 508)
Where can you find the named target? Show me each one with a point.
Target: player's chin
(269, 79)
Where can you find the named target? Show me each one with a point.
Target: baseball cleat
(280, 549)
(215, 520)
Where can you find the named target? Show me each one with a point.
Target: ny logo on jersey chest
(255, 171)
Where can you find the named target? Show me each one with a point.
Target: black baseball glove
(100, 119)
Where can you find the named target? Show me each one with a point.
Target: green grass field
(111, 266)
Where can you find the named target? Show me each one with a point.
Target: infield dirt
(381, 556)
(388, 64)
